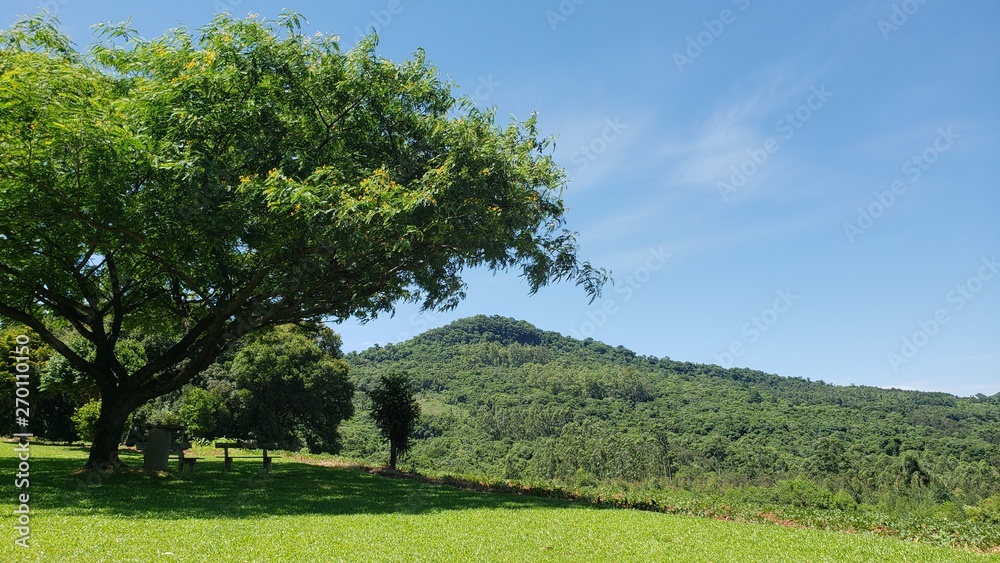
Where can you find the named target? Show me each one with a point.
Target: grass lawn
(306, 512)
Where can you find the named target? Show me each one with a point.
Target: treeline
(287, 385)
(505, 400)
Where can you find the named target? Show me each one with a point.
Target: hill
(503, 399)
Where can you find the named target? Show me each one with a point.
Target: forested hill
(503, 398)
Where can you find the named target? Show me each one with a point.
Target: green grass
(306, 512)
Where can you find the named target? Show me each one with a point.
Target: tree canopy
(203, 185)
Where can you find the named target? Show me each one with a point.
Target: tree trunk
(392, 455)
(115, 411)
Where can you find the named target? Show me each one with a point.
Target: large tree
(287, 389)
(205, 185)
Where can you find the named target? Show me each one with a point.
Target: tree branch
(58, 345)
(117, 306)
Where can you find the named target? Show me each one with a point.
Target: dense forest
(505, 400)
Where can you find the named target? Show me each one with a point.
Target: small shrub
(800, 492)
(583, 478)
(199, 410)
(85, 420)
(843, 500)
(987, 511)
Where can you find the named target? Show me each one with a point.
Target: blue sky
(805, 189)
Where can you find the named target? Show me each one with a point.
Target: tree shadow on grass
(291, 488)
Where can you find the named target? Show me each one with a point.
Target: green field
(304, 512)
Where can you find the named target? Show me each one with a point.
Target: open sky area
(808, 189)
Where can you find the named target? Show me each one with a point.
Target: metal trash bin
(156, 456)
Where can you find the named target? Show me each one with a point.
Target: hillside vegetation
(504, 400)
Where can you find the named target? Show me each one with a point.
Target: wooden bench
(240, 445)
(184, 462)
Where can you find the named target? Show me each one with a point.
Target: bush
(85, 420)
(199, 410)
(987, 511)
(800, 492)
(843, 500)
